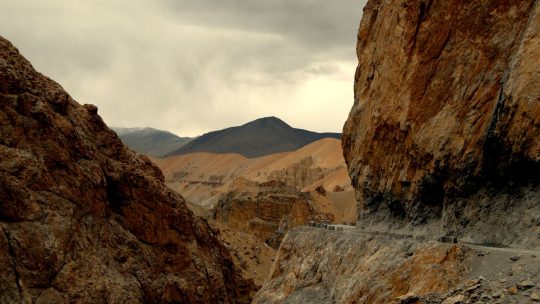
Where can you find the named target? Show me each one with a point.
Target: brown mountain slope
(201, 177)
(301, 168)
(84, 219)
(249, 253)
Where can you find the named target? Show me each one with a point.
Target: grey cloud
(320, 23)
(299, 32)
(192, 66)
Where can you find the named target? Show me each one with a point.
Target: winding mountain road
(339, 228)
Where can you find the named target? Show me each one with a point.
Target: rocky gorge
(441, 147)
(268, 211)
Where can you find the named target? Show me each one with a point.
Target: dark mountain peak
(257, 138)
(268, 121)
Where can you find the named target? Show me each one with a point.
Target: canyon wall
(84, 219)
(442, 140)
(267, 210)
(443, 136)
(319, 266)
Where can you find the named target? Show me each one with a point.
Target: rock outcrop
(319, 266)
(250, 254)
(444, 131)
(84, 219)
(302, 174)
(267, 211)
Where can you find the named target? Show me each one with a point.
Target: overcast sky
(193, 66)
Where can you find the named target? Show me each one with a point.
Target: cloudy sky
(193, 66)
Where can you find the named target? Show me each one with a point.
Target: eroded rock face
(302, 174)
(444, 130)
(267, 211)
(442, 139)
(85, 219)
(319, 266)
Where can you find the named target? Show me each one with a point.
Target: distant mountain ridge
(258, 138)
(150, 141)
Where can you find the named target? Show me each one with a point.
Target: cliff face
(318, 266)
(85, 219)
(442, 140)
(302, 174)
(267, 210)
(444, 131)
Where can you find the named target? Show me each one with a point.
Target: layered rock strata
(444, 131)
(201, 177)
(267, 211)
(84, 219)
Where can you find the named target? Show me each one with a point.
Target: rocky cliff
(302, 174)
(444, 132)
(267, 211)
(317, 266)
(442, 139)
(84, 219)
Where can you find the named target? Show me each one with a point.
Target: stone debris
(515, 258)
(525, 284)
(409, 298)
(458, 299)
(513, 290)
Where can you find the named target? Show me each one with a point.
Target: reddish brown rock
(84, 219)
(444, 130)
(267, 211)
(442, 139)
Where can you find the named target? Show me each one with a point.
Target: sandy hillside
(200, 177)
(340, 204)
